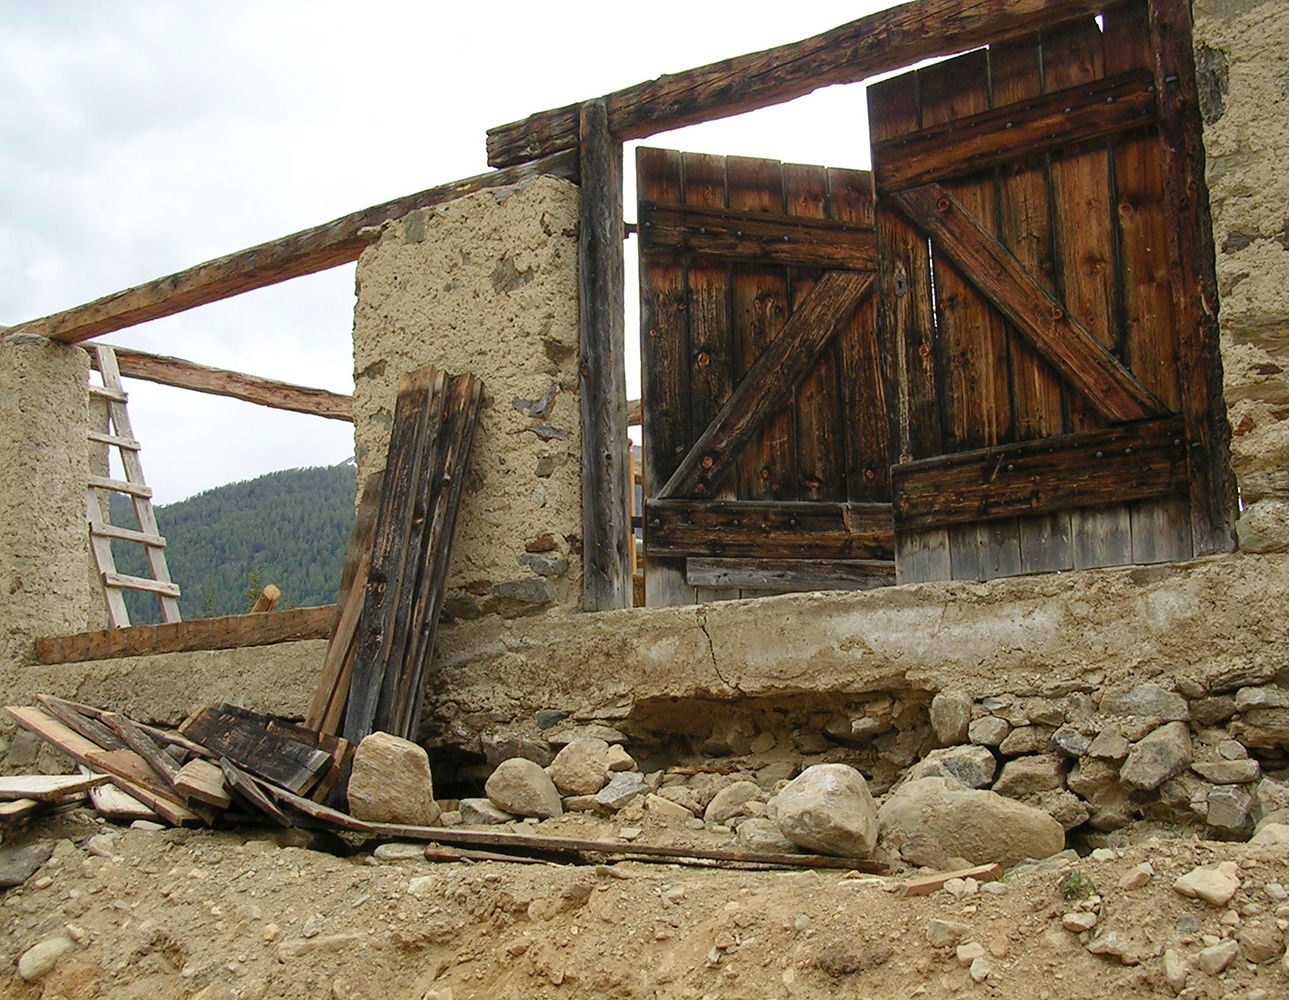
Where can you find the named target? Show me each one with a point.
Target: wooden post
(606, 559)
(1194, 279)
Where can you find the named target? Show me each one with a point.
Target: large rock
(950, 716)
(978, 825)
(1146, 699)
(1264, 526)
(390, 782)
(581, 768)
(828, 809)
(1158, 756)
(1029, 776)
(728, 802)
(971, 765)
(522, 787)
(621, 789)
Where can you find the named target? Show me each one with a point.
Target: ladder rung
(111, 440)
(126, 535)
(120, 486)
(113, 394)
(123, 582)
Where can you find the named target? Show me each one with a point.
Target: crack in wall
(701, 617)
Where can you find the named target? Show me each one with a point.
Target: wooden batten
(331, 244)
(769, 529)
(786, 575)
(231, 632)
(221, 382)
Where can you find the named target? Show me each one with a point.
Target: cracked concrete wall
(487, 284)
(1242, 60)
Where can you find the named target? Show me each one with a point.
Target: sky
(141, 137)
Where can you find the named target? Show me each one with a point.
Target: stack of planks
(224, 763)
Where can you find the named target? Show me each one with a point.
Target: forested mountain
(288, 528)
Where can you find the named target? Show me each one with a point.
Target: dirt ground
(257, 914)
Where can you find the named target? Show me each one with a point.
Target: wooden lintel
(790, 574)
(769, 529)
(1037, 314)
(221, 382)
(1126, 462)
(757, 237)
(1022, 131)
(879, 43)
(331, 244)
(230, 632)
(769, 383)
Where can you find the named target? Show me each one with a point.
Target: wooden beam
(879, 43)
(331, 244)
(759, 237)
(1021, 131)
(1093, 468)
(245, 739)
(602, 380)
(231, 632)
(769, 529)
(1037, 314)
(1194, 280)
(769, 383)
(790, 574)
(221, 382)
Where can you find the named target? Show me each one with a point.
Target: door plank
(770, 529)
(786, 575)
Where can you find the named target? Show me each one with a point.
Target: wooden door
(1027, 302)
(764, 416)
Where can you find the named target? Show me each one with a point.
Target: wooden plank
(1161, 530)
(922, 556)
(269, 392)
(248, 790)
(770, 529)
(315, 249)
(1101, 536)
(100, 715)
(92, 729)
(786, 575)
(1023, 130)
(1090, 468)
(764, 237)
(232, 632)
(47, 787)
(20, 809)
(1193, 278)
(1042, 318)
(162, 764)
(232, 734)
(103, 530)
(332, 693)
(126, 582)
(768, 384)
(928, 884)
(602, 381)
(878, 43)
(664, 353)
(201, 780)
(120, 486)
(1045, 543)
(112, 803)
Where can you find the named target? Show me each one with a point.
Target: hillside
(288, 528)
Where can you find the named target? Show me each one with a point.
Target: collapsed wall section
(487, 284)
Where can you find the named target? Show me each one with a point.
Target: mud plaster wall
(1242, 59)
(44, 589)
(487, 284)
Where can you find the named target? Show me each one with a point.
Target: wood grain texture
(790, 575)
(338, 242)
(249, 743)
(231, 632)
(769, 529)
(862, 48)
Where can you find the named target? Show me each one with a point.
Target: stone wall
(487, 284)
(1242, 56)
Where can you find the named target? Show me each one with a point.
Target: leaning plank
(246, 788)
(47, 787)
(1024, 130)
(790, 574)
(875, 44)
(161, 763)
(769, 529)
(221, 382)
(92, 729)
(329, 245)
(101, 716)
(1139, 461)
(231, 632)
(769, 383)
(248, 744)
(763, 237)
(930, 883)
(201, 780)
(1037, 314)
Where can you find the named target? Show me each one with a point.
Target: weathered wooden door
(1043, 357)
(764, 415)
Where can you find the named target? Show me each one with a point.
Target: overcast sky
(140, 137)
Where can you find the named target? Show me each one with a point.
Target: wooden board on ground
(47, 787)
(930, 883)
(201, 780)
(249, 791)
(247, 743)
(112, 803)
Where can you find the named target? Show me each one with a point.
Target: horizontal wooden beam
(1064, 119)
(1093, 468)
(331, 244)
(769, 529)
(231, 632)
(222, 382)
(879, 43)
(1037, 314)
(790, 574)
(756, 237)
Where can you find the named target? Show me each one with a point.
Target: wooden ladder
(102, 531)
